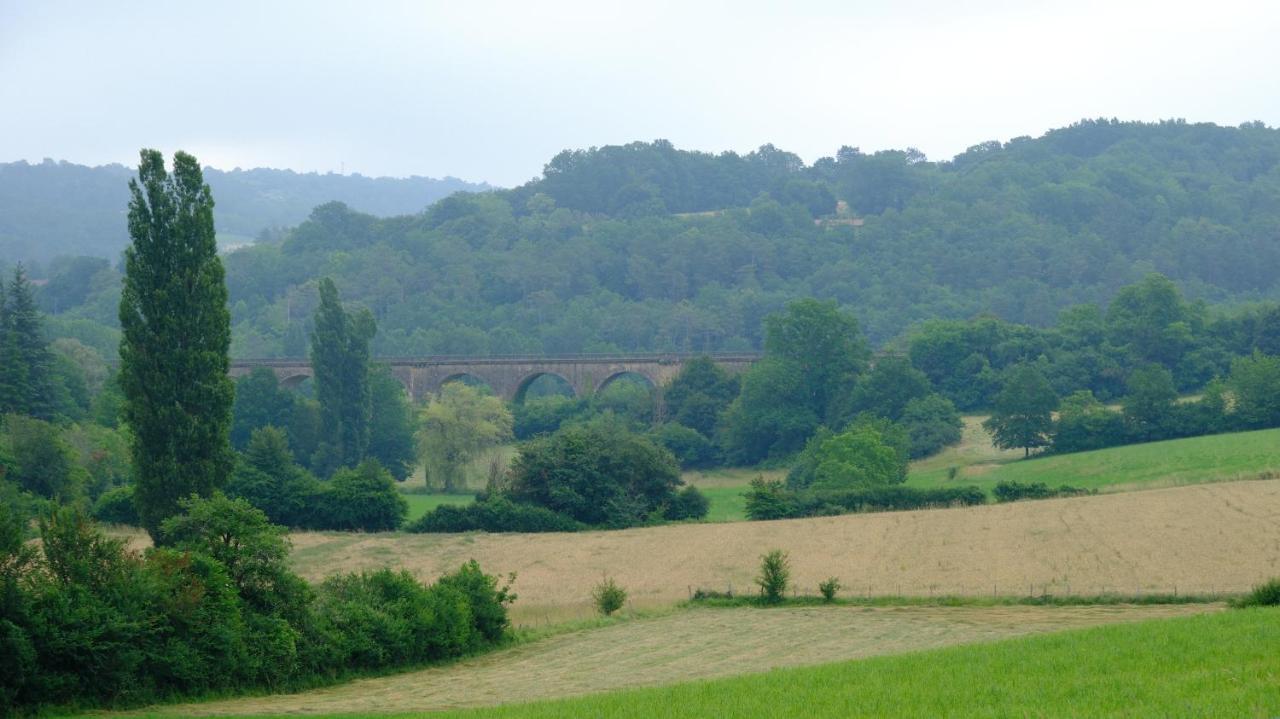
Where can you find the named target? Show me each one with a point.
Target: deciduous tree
(1023, 415)
(340, 361)
(176, 333)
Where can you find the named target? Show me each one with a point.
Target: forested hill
(646, 247)
(58, 208)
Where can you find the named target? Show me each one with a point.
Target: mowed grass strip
(1221, 665)
(698, 643)
(1220, 457)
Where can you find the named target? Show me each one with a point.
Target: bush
(1011, 491)
(92, 622)
(689, 447)
(768, 499)
(932, 422)
(689, 503)
(829, 588)
(775, 575)
(1266, 594)
(494, 513)
(364, 498)
(598, 474)
(881, 499)
(115, 506)
(608, 596)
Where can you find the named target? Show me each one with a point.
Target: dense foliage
(601, 254)
(597, 474)
(492, 513)
(773, 500)
(176, 334)
(87, 621)
(340, 362)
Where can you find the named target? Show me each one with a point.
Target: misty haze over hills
(52, 208)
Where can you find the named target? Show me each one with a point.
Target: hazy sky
(490, 91)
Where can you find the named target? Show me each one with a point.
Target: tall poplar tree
(176, 338)
(340, 362)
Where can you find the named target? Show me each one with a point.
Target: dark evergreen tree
(176, 336)
(340, 362)
(27, 384)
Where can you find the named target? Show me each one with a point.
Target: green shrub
(775, 575)
(768, 499)
(829, 588)
(689, 503)
(1266, 594)
(608, 596)
(216, 609)
(689, 446)
(488, 601)
(115, 506)
(493, 513)
(600, 474)
(1013, 491)
(364, 498)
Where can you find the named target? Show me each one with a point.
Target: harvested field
(1204, 538)
(694, 644)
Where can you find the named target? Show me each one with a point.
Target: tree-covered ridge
(59, 208)
(646, 247)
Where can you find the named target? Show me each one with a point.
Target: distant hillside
(58, 208)
(648, 247)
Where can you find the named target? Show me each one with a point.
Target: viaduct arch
(507, 377)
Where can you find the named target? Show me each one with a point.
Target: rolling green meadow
(1215, 665)
(1220, 457)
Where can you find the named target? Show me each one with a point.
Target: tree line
(212, 605)
(647, 247)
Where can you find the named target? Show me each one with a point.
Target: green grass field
(420, 504)
(1217, 665)
(1243, 455)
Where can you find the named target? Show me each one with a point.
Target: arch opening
(303, 384)
(543, 384)
(628, 394)
(469, 380)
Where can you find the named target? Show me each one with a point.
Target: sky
(490, 91)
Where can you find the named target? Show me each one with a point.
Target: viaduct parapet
(509, 377)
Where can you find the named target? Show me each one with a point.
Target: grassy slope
(682, 646)
(1244, 455)
(1212, 665)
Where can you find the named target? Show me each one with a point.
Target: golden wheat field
(1202, 538)
(686, 645)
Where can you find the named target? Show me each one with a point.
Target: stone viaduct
(509, 377)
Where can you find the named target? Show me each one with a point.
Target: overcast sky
(490, 91)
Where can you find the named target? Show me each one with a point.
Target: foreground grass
(1242, 455)
(1212, 665)
(679, 646)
